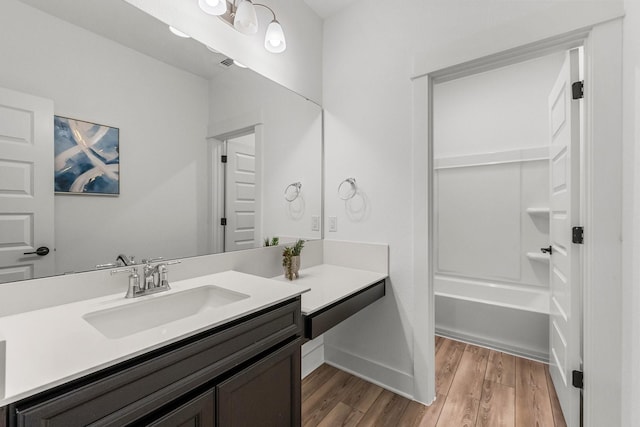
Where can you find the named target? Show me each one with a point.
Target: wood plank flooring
(475, 387)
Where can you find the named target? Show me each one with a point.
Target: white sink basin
(158, 310)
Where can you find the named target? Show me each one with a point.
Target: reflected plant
(273, 242)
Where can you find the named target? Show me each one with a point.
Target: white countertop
(329, 284)
(49, 347)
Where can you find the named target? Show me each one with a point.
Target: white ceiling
(326, 8)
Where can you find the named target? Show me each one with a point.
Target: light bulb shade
(274, 40)
(246, 20)
(179, 33)
(213, 7)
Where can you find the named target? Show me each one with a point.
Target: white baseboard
(494, 345)
(386, 377)
(312, 355)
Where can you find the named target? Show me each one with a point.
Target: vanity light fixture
(241, 14)
(213, 7)
(246, 20)
(274, 40)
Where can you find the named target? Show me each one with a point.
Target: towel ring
(347, 189)
(292, 191)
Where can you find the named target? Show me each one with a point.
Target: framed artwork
(87, 158)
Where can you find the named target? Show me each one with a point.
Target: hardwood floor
(475, 387)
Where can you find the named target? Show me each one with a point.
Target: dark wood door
(198, 412)
(265, 394)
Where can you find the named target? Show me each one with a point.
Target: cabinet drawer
(131, 390)
(315, 324)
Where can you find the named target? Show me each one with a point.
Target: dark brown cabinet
(198, 412)
(201, 381)
(266, 394)
(319, 322)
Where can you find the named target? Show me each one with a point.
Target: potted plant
(291, 259)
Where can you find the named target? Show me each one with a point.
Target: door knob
(548, 250)
(41, 251)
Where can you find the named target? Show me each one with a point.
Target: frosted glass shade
(213, 7)
(179, 33)
(246, 20)
(274, 40)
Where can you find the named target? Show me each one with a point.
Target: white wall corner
(385, 376)
(424, 388)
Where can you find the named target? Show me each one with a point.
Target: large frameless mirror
(154, 145)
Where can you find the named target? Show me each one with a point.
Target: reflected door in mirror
(241, 184)
(26, 185)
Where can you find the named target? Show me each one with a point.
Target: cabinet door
(198, 412)
(265, 394)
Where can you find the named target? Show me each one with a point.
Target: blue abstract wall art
(87, 157)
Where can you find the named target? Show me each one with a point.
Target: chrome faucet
(155, 278)
(151, 276)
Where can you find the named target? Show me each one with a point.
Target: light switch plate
(333, 223)
(315, 223)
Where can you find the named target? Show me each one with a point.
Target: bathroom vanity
(219, 347)
(237, 363)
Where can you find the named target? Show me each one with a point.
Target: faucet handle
(163, 273)
(134, 280)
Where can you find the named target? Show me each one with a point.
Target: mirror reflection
(207, 150)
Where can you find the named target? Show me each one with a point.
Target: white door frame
(216, 175)
(600, 31)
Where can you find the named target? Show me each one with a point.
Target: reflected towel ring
(292, 191)
(346, 192)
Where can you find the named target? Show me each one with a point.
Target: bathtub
(503, 317)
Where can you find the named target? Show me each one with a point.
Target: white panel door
(565, 282)
(240, 198)
(26, 186)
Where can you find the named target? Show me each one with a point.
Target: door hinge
(223, 158)
(577, 234)
(577, 89)
(223, 221)
(577, 379)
